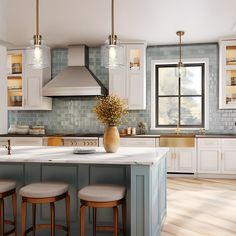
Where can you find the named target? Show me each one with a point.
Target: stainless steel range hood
(76, 79)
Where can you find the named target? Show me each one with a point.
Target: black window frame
(179, 96)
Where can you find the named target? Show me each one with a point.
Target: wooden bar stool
(7, 188)
(39, 193)
(103, 196)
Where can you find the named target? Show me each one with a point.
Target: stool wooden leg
(52, 206)
(23, 220)
(14, 209)
(94, 221)
(115, 209)
(82, 219)
(68, 213)
(124, 212)
(1, 217)
(33, 218)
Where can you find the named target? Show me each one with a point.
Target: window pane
(168, 83)
(191, 109)
(191, 84)
(168, 111)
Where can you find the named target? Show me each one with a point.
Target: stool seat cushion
(102, 193)
(44, 190)
(7, 185)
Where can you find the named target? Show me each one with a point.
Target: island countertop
(124, 156)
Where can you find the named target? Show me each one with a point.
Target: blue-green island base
(146, 193)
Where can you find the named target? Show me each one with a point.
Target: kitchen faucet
(177, 131)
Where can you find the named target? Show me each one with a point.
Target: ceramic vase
(111, 139)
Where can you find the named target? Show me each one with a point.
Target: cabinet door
(170, 162)
(33, 92)
(227, 96)
(136, 76)
(117, 82)
(208, 161)
(228, 161)
(185, 160)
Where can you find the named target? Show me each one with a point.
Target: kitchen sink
(174, 140)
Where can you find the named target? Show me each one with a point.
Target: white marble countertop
(124, 156)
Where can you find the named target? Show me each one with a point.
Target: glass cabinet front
(14, 79)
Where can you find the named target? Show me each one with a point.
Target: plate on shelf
(84, 151)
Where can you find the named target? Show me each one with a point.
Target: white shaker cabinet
(34, 82)
(181, 160)
(129, 81)
(217, 156)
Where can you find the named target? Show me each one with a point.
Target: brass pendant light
(112, 53)
(180, 69)
(37, 54)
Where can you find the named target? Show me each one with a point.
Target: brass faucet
(177, 131)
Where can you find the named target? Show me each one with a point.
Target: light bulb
(37, 53)
(112, 54)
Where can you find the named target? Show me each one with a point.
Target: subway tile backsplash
(74, 115)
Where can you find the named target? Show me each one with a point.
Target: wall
(3, 18)
(3, 91)
(76, 115)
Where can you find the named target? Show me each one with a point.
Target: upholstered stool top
(102, 193)
(7, 185)
(44, 190)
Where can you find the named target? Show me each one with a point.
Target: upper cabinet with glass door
(129, 81)
(227, 86)
(24, 84)
(15, 74)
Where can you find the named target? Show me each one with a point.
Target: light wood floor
(200, 207)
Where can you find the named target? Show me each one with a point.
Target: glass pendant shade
(112, 56)
(180, 70)
(37, 56)
(112, 53)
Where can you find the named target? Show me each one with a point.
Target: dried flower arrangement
(110, 110)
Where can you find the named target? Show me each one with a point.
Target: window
(180, 99)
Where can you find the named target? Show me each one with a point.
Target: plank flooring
(200, 207)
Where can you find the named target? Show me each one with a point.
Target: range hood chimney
(76, 79)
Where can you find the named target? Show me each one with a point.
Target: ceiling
(64, 22)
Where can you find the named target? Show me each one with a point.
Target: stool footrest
(9, 222)
(107, 228)
(46, 226)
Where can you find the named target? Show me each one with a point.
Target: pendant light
(37, 54)
(112, 53)
(180, 71)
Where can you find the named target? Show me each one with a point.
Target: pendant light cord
(112, 19)
(180, 48)
(37, 17)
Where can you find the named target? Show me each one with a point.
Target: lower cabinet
(27, 141)
(134, 142)
(217, 156)
(182, 160)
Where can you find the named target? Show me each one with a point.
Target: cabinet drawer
(138, 142)
(228, 143)
(27, 141)
(208, 142)
(134, 142)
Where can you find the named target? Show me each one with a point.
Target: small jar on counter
(128, 131)
(133, 131)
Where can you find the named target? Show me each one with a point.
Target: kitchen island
(141, 170)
